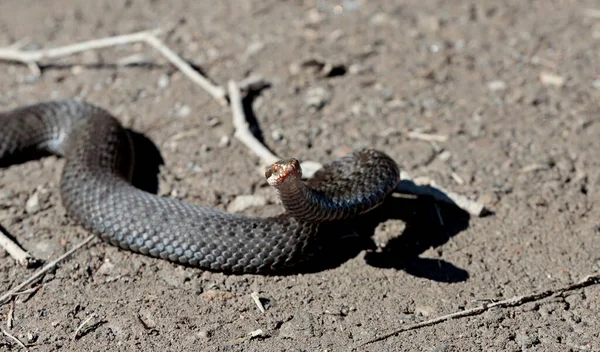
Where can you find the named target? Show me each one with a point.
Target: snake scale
(96, 191)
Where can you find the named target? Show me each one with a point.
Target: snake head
(283, 171)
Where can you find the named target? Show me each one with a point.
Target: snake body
(96, 191)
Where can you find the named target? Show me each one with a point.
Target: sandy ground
(514, 85)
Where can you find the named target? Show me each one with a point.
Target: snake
(97, 193)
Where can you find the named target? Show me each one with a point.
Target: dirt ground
(514, 85)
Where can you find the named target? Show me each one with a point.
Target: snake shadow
(428, 224)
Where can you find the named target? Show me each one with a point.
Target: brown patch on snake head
(282, 171)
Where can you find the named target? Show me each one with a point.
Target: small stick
(243, 134)
(256, 299)
(47, 267)
(32, 58)
(428, 137)
(13, 249)
(248, 336)
(76, 335)
(217, 92)
(510, 302)
(15, 339)
(11, 315)
(430, 189)
(28, 291)
(14, 52)
(242, 127)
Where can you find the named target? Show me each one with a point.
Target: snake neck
(302, 202)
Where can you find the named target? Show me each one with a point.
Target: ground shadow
(428, 224)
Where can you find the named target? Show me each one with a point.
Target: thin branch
(17, 253)
(243, 134)
(42, 271)
(242, 127)
(217, 92)
(15, 339)
(76, 335)
(428, 137)
(430, 189)
(32, 58)
(507, 303)
(14, 53)
(256, 299)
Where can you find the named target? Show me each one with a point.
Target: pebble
(496, 85)
(183, 111)
(106, 268)
(203, 334)
(276, 135)
(550, 79)
(317, 97)
(217, 295)
(147, 318)
(243, 202)
(525, 340)
(163, 81)
(301, 325)
(46, 249)
(36, 201)
(424, 310)
(224, 142)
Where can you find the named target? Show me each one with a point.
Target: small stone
(243, 202)
(163, 81)
(254, 48)
(294, 68)
(525, 340)
(276, 135)
(317, 97)
(146, 316)
(496, 85)
(183, 111)
(45, 248)
(550, 79)
(424, 310)
(380, 19)
(301, 325)
(217, 295)
(213, 121)
(106, 269)
(35, 203)
(203, 334)
(31, 337)
(223, 142)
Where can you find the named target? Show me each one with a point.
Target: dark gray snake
(96, 192)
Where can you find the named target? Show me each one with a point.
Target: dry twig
(243, 134)
(242, 127)
(15, 339)
(42, 271)
(256, 299)
(430, 189)
(17, 253)
(32, 58)
(510, 302)
(428, 137)
(76, 335)
(11, 315)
